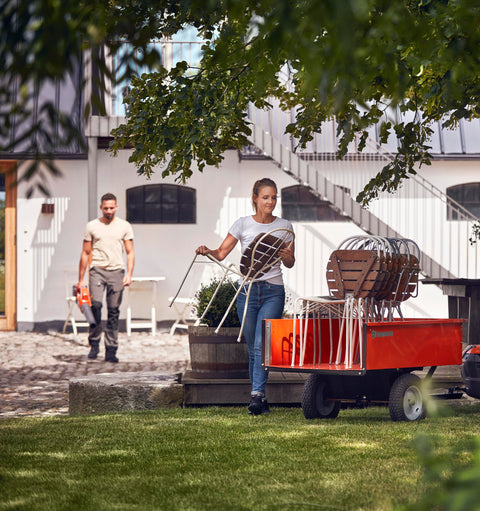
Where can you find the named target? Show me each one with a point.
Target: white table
(138, 283)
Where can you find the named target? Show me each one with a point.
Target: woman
(267, 296)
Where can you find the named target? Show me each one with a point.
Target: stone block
(122, 392)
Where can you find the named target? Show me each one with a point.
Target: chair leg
(213, 298)
(74, 326)
(154, 321)
(69, 317)
(129, 321)
(239, 338)
(230, 306)
(179, 319)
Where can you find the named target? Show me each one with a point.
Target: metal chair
(183, 309)
(257, 259)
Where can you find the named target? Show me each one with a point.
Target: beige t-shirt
(108, 242)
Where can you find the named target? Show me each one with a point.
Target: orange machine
(410, 343)
(363, 362)
(84, 303)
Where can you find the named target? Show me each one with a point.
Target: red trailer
(350, 341)
(354, 361)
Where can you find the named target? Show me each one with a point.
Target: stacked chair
(369, 277)
(382, 271)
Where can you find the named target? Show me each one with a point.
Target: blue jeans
(266, 302)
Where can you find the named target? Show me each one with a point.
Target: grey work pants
(111, 282)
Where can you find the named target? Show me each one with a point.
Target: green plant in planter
(222, 300)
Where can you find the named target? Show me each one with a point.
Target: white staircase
(418, 211)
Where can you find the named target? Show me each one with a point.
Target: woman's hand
(287, 255)
(203, 250)
(222, 251)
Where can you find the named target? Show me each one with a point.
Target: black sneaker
(255, 406)
(258, 405)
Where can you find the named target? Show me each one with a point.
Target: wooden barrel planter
(217, 355)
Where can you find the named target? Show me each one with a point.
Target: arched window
(299, 204)
(161, 204)
(466, 194)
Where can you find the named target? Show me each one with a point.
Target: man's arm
(130, 262)
(84, 260)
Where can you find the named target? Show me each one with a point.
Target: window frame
(458, 193)
(324, 212)
(156, 204)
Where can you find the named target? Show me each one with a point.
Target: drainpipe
(92, 145)
(92, 178)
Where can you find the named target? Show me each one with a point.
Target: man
(104, 240)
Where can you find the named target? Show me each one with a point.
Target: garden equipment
(358, 352)
(84, 302)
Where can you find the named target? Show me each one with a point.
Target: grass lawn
(220, 458)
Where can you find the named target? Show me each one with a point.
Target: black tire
(315, 401)
(407, 399)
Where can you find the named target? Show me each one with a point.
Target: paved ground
(35, 367)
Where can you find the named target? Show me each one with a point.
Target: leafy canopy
(43, 41)
(355, 60)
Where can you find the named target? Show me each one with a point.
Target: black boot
(93, 349)
(258, 405)
(110, 352)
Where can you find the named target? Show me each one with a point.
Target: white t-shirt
(108, 242)
(246, 229)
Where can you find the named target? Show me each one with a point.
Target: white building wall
(446, 173)
(49, 245)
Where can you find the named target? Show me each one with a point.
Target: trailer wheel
(406, 400)
(315, 401)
